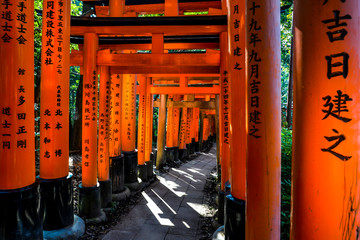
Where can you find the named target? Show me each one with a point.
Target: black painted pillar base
(57, 201)
(117, 175)
(176, 154)
(21, 215)
(182, 154)
(143, 172)
(149, 169)
(169, 153)
(105, 193)
(227, 187)
(234, 218)
(90, 204)
(130, 167)
(221, 207)
(192, 146)
(197, 146)
(188, 151)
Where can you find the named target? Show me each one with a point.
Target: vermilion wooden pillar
(161, 132)
(54, 95)
(325, 165)
(188, 130)
(176, 122)
(169, 125)
(182, 135)
(196, 128)
(225, 114)
(142, 128)
(235, 202)
(89, 129)
(17, 143)
(115, 115)
(128, 128)
(263, 119)
(116, 8)
(89, 191)
(103, 140)
(142, 120)
(149, 130)
(116, 158)
(56, 182)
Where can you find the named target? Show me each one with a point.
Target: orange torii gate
(122, 62)
(121, 68)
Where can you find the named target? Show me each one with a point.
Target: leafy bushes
(286, 151)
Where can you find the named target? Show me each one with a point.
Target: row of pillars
(325, 164)
(110, 160)
(325, 161)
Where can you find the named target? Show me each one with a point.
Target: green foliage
(286, 152)
(286, 37)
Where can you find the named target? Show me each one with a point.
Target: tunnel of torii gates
(229, 90)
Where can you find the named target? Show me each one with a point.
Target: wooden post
(182, 136)
(142, 120)
(128, 131)
(326, 121)
(116, 8)
(103, 138)
(236, 63)
(225, 114)
(169, 126)
(17, 168)
(171, 8)
(176, 122)
(128, 122)
(54, 116)
(115, 115)
(201, 131)
(19, 214)
(54, 95)
(264, 120)
(161, 132)
(142, 129)
(89, 190)
(103, 143)
(89, 114)
(149, 123)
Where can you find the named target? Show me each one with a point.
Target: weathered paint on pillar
(161, 132)
(225, 114)
(263, 119)
(115, 115)
(236, 66)
(182, 136)
(176, 122)
(17, 158)
(128, 116)
(142, 120)
(89, 111)
(326, 140)
(103, 142)
(149, 123)
(169, 126)
(54, 95)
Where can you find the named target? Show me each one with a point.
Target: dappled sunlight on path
(171, 208)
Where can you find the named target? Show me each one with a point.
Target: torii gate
(248, 36)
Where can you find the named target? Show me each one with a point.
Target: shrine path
(171, 208)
